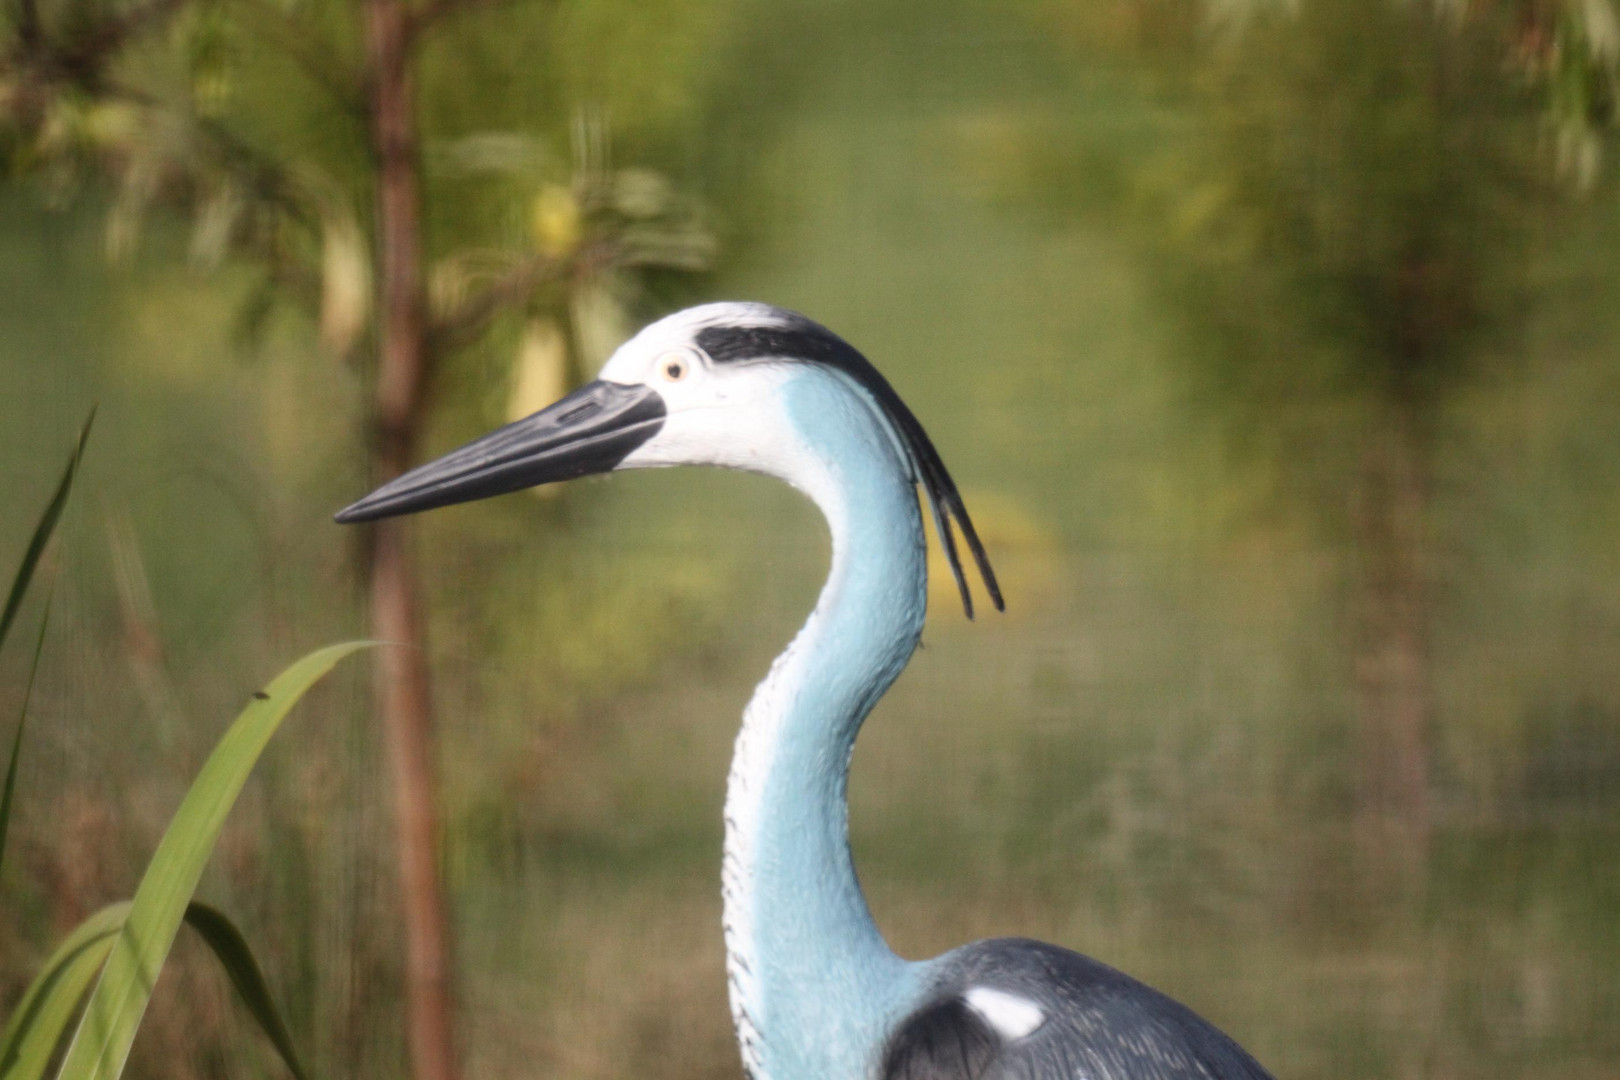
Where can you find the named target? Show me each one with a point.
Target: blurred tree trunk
(403, 694)
(1393, 674)
(65, 115)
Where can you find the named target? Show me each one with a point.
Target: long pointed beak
(589, 431)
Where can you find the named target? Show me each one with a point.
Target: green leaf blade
(19, 588)
(231, 949)
(42, 533)
(36, 1026)
(101, 1045)
(10, 788)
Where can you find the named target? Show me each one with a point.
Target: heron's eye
(673, 368)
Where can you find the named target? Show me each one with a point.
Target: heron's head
(704, 386)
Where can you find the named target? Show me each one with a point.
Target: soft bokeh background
(1170, 284)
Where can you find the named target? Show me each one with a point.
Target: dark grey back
(1101, 1024)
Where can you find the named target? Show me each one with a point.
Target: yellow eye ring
(674, 367)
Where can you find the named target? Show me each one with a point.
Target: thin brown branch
(459, 327)
(318, 60)
(29, 31)
(91, 52)
(264, 179)
(473, 316)
(436, 11)
(295, 279)
(83, 61)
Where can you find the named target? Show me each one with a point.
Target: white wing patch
(1013, 1017)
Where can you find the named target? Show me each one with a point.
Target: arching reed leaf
(35, 1028)
(231, 949)
(10, 788)
(42, 1034)
(37, 1024)
(42, 532)
(101, 1044)
(14, 599)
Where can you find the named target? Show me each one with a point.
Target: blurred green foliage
(1136, 267)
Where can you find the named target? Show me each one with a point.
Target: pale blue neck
(812, 980)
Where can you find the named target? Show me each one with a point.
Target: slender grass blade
(231, 949)
(42, 533)
(14, 599)
(36, 1026)
(40, 1038)
(101, 1045)
(22, 720)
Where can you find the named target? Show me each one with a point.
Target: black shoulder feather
(944, 1041)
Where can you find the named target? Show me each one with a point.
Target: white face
(731, 415)
(662, 400)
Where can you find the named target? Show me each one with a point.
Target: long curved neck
(808, 968)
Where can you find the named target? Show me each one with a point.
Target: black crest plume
(795, 337)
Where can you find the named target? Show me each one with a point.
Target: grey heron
(816, 993)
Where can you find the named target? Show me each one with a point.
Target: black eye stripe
(795, 337)
(728, 344)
